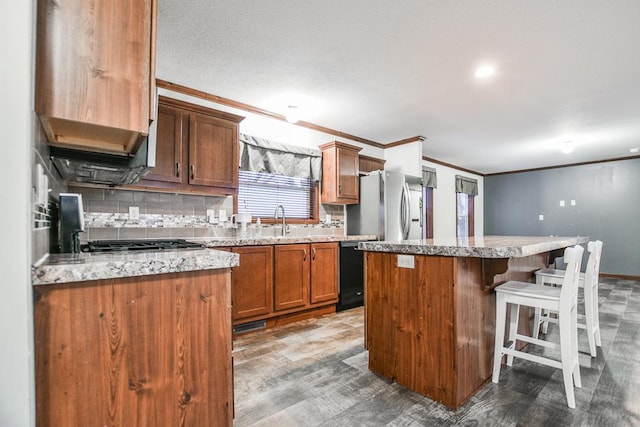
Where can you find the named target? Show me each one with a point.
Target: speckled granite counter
(270, 240)
(478, 247)
(64, 268)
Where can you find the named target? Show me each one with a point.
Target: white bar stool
(589, 281)
(564, 300)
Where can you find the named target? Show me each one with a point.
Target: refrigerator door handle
(405, 211)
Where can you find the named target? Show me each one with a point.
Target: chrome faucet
(284, 221)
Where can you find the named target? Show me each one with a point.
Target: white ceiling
(386, 71)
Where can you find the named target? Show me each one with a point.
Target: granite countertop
(65, 268)
(213, 242)
(479, 247)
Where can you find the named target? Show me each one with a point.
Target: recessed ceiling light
(293, 114)
(634, 150)
(567, 147)
(485, 71)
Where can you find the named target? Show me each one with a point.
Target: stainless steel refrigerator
(390, 207)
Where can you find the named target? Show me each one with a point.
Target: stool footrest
(532, 358)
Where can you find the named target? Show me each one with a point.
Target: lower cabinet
(252, 282)
(305, 275)
(140, 351)
(279, 280)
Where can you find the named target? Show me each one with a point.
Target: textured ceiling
(386, 71)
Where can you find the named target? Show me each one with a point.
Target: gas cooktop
(137, 245)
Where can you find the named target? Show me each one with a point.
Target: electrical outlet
(134, 212)
(406, 261)
(561, 202)
(540, 217)
(573, 202)
(211, 215)
(222, 215)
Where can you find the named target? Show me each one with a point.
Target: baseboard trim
(620, 276)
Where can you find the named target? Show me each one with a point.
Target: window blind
(260, 193)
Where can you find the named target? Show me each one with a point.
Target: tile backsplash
(169, 215)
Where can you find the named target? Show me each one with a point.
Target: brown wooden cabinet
(306, 275)
(324, 272)
(291, 284)
(95, 73)
(197, 149)
(339, 173)
(149, 350)
(252, 283)
(369, 164)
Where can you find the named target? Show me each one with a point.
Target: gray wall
(607, 207)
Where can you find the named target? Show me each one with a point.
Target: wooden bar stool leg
(590, 317)
(566, 356)
(513, 330)
(501, 320)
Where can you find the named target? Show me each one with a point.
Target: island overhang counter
(430, 307)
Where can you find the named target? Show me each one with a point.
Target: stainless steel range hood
(107, 169)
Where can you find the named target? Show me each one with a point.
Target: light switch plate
(573, 202)
(406, 261)
(134, 212)
(561, 202)
(540, 217)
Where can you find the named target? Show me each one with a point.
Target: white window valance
(262, 155)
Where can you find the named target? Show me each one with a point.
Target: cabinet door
(95, 73)
(169, 146)
(213, 151)
(252, 282)
(347, 174)
(324, 272)
(132, 351)
(291, 283)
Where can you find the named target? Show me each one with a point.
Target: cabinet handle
(304, 255)
(340, 189)
(177, 169)
(313, 254)
(193, 171)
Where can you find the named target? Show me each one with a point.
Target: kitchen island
(430, 307)
(134, 338)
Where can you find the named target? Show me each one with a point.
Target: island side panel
(410, 323)
(149, 350)
(475, 317)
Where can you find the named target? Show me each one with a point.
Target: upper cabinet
(196, 149)
(95, 73)
(370, 164)
(339, 173)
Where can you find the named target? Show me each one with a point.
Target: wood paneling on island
(431, 327)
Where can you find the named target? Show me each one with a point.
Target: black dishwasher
(351, 276)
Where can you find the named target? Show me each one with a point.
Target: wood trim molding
(405, 141)
(246, 107)
(199, 109)
(449, 165)
(592, 162)
(374, 159)
(620, 276)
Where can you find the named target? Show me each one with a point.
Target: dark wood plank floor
(314, 373)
